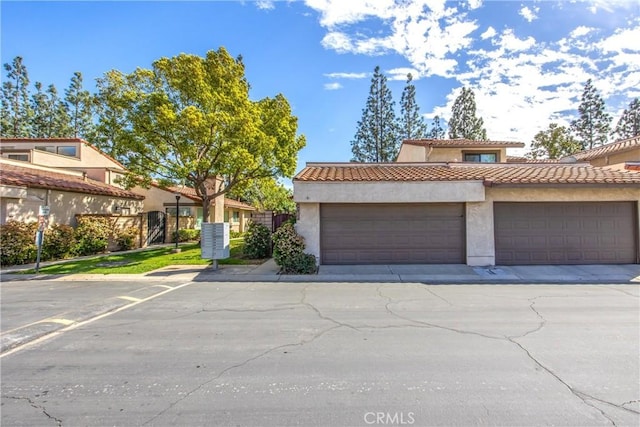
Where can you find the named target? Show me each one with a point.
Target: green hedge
(288, 251)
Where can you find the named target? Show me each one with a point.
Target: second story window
(67, 150)
(481, 157)
(47, 148)
(20, 157)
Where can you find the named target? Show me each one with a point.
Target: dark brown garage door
(392, 233)
(565, 233)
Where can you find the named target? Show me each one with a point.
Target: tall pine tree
(437, 131)
(463, 122)
(16, 106)
(80, 106)
(59, 119)
(41, 113)
(629, 123)
(593, 125)
(376, 138)
(411, 123)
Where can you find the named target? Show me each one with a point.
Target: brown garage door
(392, 233)
(565, 233)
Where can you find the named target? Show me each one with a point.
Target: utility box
(214, 240)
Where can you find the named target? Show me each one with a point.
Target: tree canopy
(267, 195)
(376, 138)
(189, 120)
(553, 143)
(463, 122)
(411, 123)
(593, 124)
(629, 123)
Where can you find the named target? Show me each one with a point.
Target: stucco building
(482, 212)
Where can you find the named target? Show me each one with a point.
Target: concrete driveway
(339, 354)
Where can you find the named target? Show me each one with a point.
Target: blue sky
(527, 61)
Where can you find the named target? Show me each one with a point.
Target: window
(47, 148)
(481, 157)
(21, 157)
(67, 150)
(236, 216)
(184, 211)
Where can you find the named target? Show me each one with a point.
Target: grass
(145, 261)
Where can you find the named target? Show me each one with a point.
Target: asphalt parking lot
(323, 354)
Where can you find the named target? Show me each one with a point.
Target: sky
(526, 61)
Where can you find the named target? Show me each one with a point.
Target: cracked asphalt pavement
(328, 354)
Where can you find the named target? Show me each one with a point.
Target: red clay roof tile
(39, 178)
(608, 149)
(495, 174)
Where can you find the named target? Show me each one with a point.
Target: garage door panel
(565, 233)
(392, 233)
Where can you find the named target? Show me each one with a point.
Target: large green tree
(16, 107)
(593, 124)
(437, 131)
(267, 194)
(412, 124)
(553, 143)
(463, 122)
(189, 119)
(50, 118)
(629, 123)
(376, 138)
(80, 105)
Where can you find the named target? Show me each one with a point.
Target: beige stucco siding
(308, 226)
(479, 205)
(64, 206)
(388, 192)
(412, 153)
(617, 161)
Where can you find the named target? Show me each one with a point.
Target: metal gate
(156, 222)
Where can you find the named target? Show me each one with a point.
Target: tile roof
(191, 193)
(40, 178)
(61, 140)
(608, 149)
(518, 159)
(632, 166)
(461, 143)
(494, 174)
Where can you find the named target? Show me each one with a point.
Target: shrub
(257, 241)
(288, 251)
(18, 243)
(128, 238)
(59, 242)
(92, 235)
(300, 263)
(187, 234)
(235, 234)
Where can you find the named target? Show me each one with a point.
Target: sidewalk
(434, 274)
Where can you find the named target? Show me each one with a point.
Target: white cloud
(488, 34)
(521, 84)
(401, 73)
(474, 4)
(509, 41)
(346, 75)
(332, 86)
(529, 14)
(265, 4)
(580, 31)
(426, 32)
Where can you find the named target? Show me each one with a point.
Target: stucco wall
(308, 226)
(617, 161)
(411, 153)
(65, 205)
(388, 192)
(479, 213)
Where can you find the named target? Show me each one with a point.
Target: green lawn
(145, 261)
